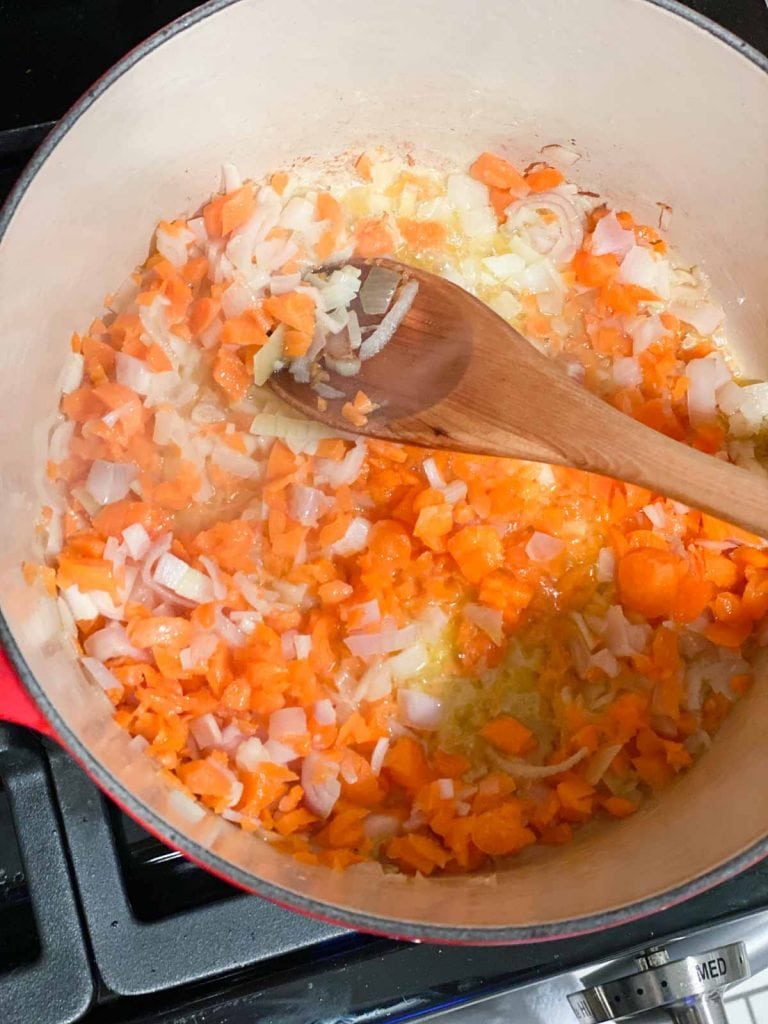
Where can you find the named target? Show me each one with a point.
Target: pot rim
(195, 851)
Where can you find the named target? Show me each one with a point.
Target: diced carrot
(544, 178)
(250, 328)
(509, 735)
(373, 238)
(294, 309)
(648, 579)
(231, 375)
(477, 550)
(422, 234)
(496, 172)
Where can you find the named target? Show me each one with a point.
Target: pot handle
(16, 705)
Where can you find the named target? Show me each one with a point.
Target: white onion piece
(324, 712)
(137, 541)
(228, 631)
(219, 586)
(433, 474)
(569, 221)
(112, 642)
(108, 482)
(455, 491)
(609, 236)
(702, 375)
(642, 268)
(386, 641)
(319, 780)
(445, 789)
(543, 548)
(287, 722)
(489, 620)
(627, 372)
(377, 291)
(60, 440)
(172, 245)
(419, 710)
(605, 662)
(236, 463)
(206, 731)
(409, 662)
(375, 683)
(376, 341)
(82, 606)
(199, 651)
(250, 754)
(280, 752)
(182, 579)
(71, 375)
(101, 674)
(355, 538)
(645, 331)
(524, 770)
(186, 806)
(307, 504)
(367, 614)
(302, 645)
(600, 763)
(705, 317)
(343, 472)
(606, 565)
(281, 284)
(560, 156)
(378, 755)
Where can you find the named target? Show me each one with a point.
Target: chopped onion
(108, 482)
(569, 222)
(455, 491)
(383, 334)
(622, 638)
(199, 651)
(169, 428)
(375, 683)
(250, 754)
(236, 463)
(101, 674)
(71, 376)
(280, 752)
(227, 630)
(60, 440)
(606, 662)
(326, 391)
(378, 755)
(409, 662)
(642, 268)
(656, 515)
(206, 731)
(600, 763)
(344, 472)
(705, 317)
(627, 372)
(445, 789)
(186, 806)
(268, 356)
(367, 645)
(419, 710)
(380, 827)
(366, 614)
(560, 156)
(307, 504)
(281, 284)
(377, 291)
(219, 586)
(355, 538)
(319, 780)
(81, 605)
(489, 620)
(609, 236)
(433, 474)
(645, 331)
(111, 642)
(137, 541)
(302, 645)
(287, 722)
(606, 565)
(543, 548)
(523, 770)
(703, 381)
(324, 712)
(182, 579)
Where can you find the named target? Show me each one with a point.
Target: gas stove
(100, 923)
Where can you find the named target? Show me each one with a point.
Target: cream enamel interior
(661, 111)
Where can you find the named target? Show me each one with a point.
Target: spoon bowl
(455, 375)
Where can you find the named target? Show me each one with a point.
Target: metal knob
(689, 990)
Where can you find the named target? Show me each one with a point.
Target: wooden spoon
(457, 376)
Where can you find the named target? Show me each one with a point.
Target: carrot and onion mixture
(367, 651)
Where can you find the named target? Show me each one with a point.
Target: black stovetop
(102, 924)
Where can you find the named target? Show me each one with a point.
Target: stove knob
(689, 990)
